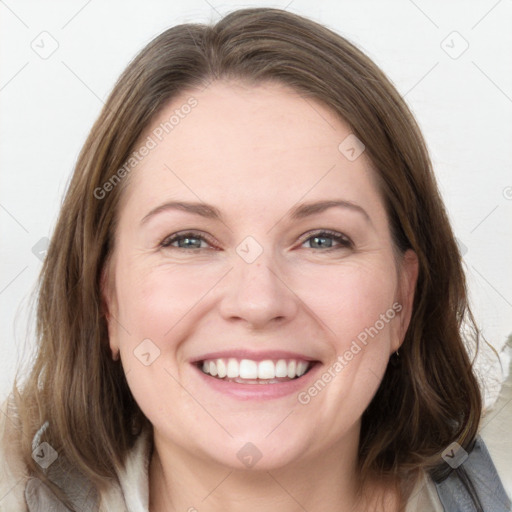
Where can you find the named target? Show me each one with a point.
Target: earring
(395, 359)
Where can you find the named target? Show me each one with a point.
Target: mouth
(252, 372)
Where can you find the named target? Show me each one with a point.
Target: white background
(463, 105)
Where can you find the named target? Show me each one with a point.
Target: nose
(256, 294)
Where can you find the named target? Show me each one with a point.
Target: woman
(253, 297)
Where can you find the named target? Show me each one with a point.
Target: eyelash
(343, 240)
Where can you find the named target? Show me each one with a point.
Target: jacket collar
(130, 493)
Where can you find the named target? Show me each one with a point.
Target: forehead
(247, 145)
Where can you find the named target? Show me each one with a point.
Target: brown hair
(427, 400)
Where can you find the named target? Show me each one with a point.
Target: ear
(109, 308)
(407, 277)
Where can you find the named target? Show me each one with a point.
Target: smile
(248, 371)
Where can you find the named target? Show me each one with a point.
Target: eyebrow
(298, 212)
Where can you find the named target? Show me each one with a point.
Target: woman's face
(257, 283)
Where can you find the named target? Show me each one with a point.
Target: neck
(182, 481)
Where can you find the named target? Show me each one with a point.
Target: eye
(323, 239)
(189, 241)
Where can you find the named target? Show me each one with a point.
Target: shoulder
(21, 491)
(13, 470)
(495, 433)
(486, 469)
(474, 474)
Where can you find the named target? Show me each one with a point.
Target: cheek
(157, 304)
(153, 301)
(358, 309)
(352, 299)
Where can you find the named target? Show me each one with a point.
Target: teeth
(281, 368)
(292, 369)
(302, 366)
(221, 368)
(266, 370)
(248, 369)
(233, 369)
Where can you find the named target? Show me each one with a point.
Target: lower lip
(259, 391)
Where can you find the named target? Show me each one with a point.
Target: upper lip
(253, 355)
